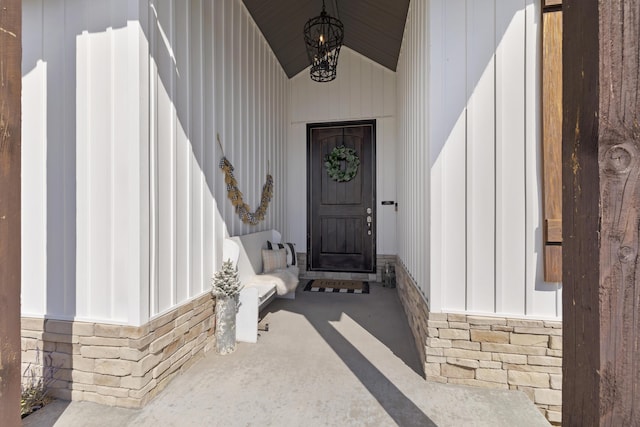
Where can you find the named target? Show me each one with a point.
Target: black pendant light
(323, 36)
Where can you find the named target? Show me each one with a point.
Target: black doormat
(339, 286)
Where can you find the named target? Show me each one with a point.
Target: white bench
(259, 289)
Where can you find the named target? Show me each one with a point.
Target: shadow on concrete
(384, 319)
(46, 418)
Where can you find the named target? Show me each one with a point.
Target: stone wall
(416, 309)
(491, 352)
(113, 364)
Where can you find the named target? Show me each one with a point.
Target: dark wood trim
(601, 211)
(10, 152)
(549, 4)
(552, 8)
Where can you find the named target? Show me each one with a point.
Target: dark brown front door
(341, 215)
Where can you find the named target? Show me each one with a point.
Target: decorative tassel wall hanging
(235, 195)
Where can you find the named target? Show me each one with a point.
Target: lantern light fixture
(323, 36)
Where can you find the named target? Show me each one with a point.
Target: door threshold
(369, 277)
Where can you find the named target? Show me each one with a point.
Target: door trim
(352, 123)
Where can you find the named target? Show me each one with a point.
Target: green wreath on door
(333, 164)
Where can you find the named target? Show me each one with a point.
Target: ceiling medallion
(323, 36)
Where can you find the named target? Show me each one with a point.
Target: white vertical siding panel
(355, 101)
(414, 184)
(154, 208)
(225, 39)
(284, 117)
(219, 64)
(124, 173)
(389, 94)
(60, 158)
(197, 162)
(386, 188)
(252, 83)
(436, 137)
(34, 161)
(294, 102)
(366, 89)
(297, 185)
(166, 159)
(236, 140)
(84, 219)
(214, 126)
(139, 283)
(343, 96)
(183, 148)
(267, 130)
(65, 301)
(99, 157)
(481, 155)
(400, 151)
(240, 141)
(405, 202)
(322, 95)
(510, 163)
(209, 125)
(377, 96)
(252, 166)
(424, 155)
(454, 157)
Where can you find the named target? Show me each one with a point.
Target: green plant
(225, 281)
(333, 164)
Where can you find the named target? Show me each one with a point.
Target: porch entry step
(367, 277)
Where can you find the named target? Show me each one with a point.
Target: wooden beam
(601, 212)
(552, 142)
(10, 117)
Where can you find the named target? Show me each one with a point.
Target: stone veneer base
(491, 352)
(113, 364)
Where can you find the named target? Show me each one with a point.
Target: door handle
(369, 221)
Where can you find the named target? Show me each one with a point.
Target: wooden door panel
(338, 238)
(342, 235)
(341, 193)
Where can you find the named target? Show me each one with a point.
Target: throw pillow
(291, 251)
(273, 260)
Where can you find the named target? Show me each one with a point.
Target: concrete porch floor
(327, 360)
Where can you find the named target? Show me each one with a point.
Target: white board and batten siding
(362, 90)
(468, 89)
(84, 190)
(125, 208)
(213, 73)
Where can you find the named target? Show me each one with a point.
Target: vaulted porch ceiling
(373, 28)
